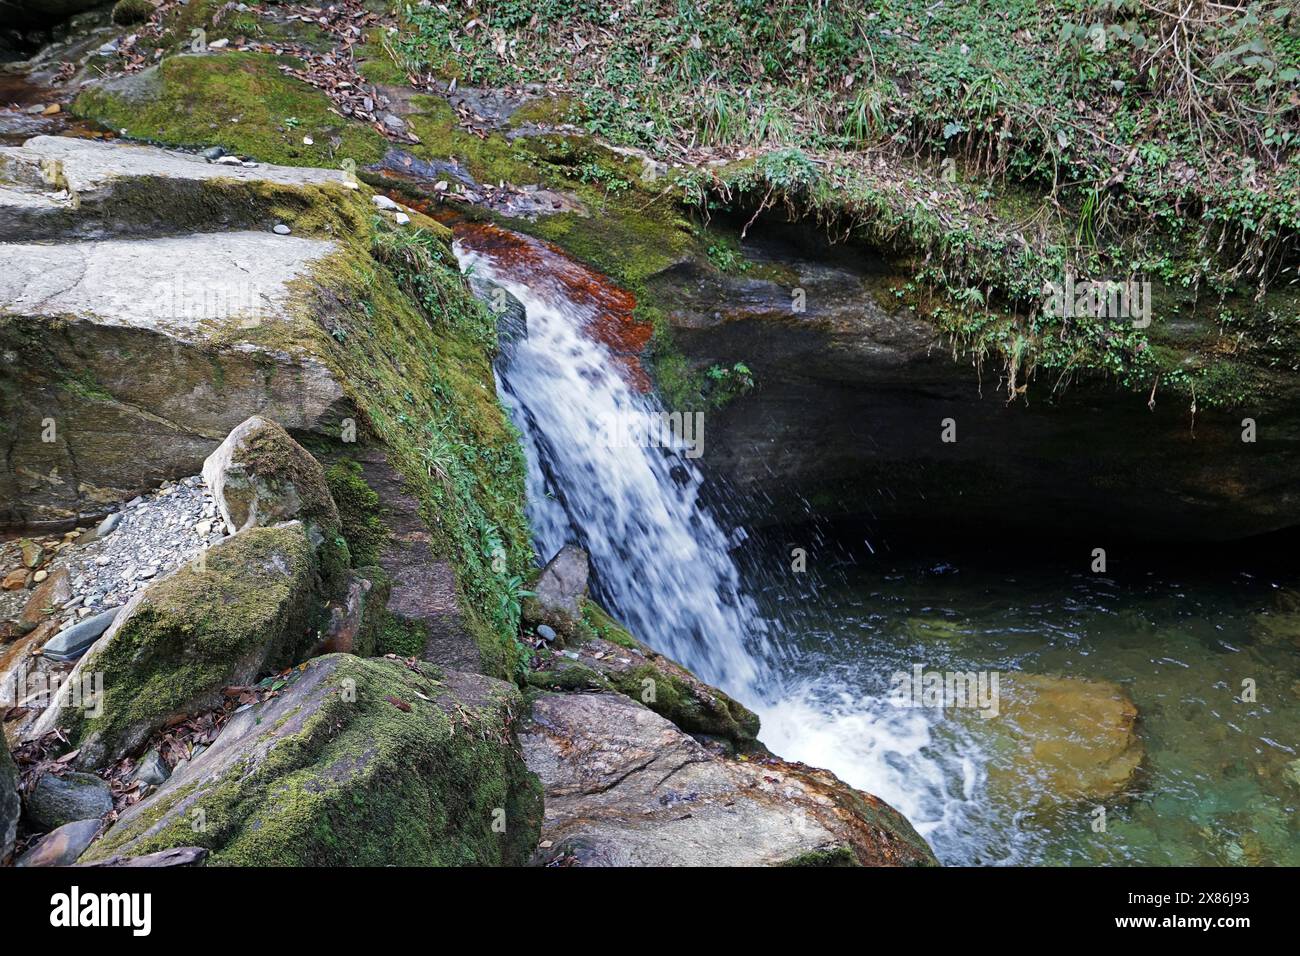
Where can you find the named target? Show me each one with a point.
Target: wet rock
(62, 846)
(10, 803)
(176, 644)
(603, 655)
(624, 787)
(260, 476)
(55, 800)
(560, 590)
(344, 631)
(511, 318)
(1059, 740)
(356, 762)
(853, 388)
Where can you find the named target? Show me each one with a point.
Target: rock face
(1063, 740)
(127, 360)
(56, 800)
(175, 645)
(847, 417)
(260, 476)
(10, 803)
(624, 787)
(356, 762)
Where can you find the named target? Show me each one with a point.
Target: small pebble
(402, 218)
(281, 229)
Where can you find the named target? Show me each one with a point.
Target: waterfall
(661, 559)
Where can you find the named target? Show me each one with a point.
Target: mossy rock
(245, 609)
(128, 12)
(356, 762)
(608, 657)
(239, 101)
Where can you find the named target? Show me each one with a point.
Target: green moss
(128, 12)
(414, 350)
(250, 599)
(547, 111)
(568, 677)
(240, 101)
(840, 856)
(355, 780)
(360, 513)
(605, 627)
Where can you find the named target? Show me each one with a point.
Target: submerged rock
(212, 624)
(624, 787)
(356, 762)
(1060, 740)
(55, 800)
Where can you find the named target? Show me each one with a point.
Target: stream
(1220, 779)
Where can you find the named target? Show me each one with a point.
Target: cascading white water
(662, 560)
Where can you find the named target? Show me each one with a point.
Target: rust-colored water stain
(544, 267)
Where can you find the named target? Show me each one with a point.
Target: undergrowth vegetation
(995, 145)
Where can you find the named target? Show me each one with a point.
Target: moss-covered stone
(414, 351)
(610, 658)
(239, 101)
(243, 609)
(357, 762)
(128, 12)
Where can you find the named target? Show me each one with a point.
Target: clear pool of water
(1220, 780)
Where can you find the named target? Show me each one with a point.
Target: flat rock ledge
(625, 787)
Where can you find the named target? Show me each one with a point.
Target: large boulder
(10, 802)
(128, 360)
(244, 609)
(355, 763)
(625, 787)
(56, 187)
